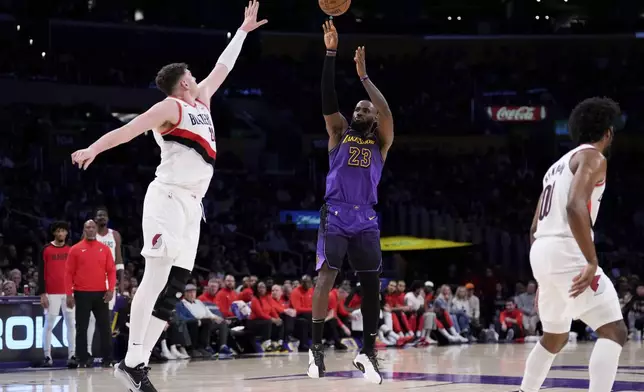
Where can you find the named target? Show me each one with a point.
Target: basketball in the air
(334, 7)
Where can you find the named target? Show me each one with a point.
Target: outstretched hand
(359, 58)
(83, 158)
(250, 17)
(330, 35)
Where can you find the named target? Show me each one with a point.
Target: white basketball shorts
(555, 262)
(171, 224)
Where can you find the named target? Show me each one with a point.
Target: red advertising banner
(517, 113)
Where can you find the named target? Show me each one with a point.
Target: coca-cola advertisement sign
(517, 113)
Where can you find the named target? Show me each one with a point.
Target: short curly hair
(168, 77)
(592, 118)
(59, 225)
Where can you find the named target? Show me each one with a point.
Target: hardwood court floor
(489, 368)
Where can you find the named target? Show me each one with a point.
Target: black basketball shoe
(134, 379)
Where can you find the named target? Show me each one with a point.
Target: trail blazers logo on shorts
(597, 285)
(157, 241)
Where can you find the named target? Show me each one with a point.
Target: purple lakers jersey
(355, 167)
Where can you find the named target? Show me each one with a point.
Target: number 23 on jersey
(360, 157)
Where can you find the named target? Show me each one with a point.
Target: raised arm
(589, 167)
(164, 112)
(336, 124)
(226, 61)
(385, 118)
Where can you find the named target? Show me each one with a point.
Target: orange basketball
(334, 7)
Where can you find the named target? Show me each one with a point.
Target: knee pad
(171, 293)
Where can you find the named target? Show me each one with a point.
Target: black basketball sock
(370, 308)
(318, 331)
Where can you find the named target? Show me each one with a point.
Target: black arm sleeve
(329, 96)
(41, 272)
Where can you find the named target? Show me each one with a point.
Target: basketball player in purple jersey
(348, 221)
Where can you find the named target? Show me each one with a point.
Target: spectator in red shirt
(401, 288)
(355, 299)
(333, 324)
(287, 289)
(226, 296)
(286, 312)
(302, 302)
(509, 326)
(280, 304)
(396, 305)
(52, 268)
(264, 319)
(429, 294)
(89, 264)
(210, 293)
(246, 294)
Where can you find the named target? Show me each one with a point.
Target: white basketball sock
(155, 329)
(537, 367)
(603, 365)
(155, 277)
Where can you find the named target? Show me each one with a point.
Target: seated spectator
(401, 288)
(509, 326)
(332, 324)
(354, 300)
(173, 340)
(9, 289)
(526, 304)
(208, 296)
(474, 310)
(444, 300)
(226, 296)
(244, 284)
(397, 307)
(415, 302)
(252, 281)
(287, 289)
(16, 277)
(278, 295)
(201, 322)
(634, 311)
(475, 305)
(459, 308)
(445, 332)
(302, 302)
(286, 313)
(264, 320)
(246, 295)
(340, 295)
(429, 292)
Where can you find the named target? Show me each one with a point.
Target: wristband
(331, 52)
(120, 267)
(362, 79)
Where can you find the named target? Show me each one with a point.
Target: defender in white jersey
(563, 258)
(172, 209)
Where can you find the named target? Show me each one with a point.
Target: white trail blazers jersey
(552, 216)
(188, 150)
(109, 241)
